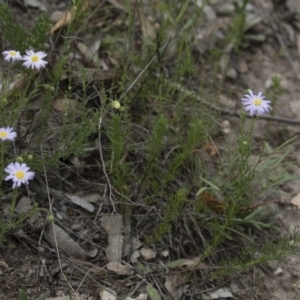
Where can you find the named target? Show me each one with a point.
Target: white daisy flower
(34, 59)
(7, 134)
(18, 173)
(12, 55)
(256, 104)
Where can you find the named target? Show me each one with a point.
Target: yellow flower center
(12, 53)
(34, 58)
(20, 174)
(3, 134)
(257, 102)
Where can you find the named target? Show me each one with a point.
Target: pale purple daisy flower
(7, 134)
(18, 173)
(34, 59)
(12, 55)
(256, 104)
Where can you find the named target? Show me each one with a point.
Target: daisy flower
(256, 104)
(7, 134)
(12, 55)
(18, 173)
(34, 59)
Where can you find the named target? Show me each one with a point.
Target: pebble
(209, 13)
(76, 227)
(278, 271)
(231, 73)
(242, 65)
(226, 9)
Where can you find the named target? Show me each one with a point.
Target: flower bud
(116, 104)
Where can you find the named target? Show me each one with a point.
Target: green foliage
(152, 292)
(10, 31)
(39, 32)
(172, 211)
(23, 295)
(237, 30)
(17, 36)
(120, 169)
(72, 127)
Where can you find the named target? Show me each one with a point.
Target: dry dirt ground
(28, 264)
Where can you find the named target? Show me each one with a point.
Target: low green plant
(236, 31)
(25, 145)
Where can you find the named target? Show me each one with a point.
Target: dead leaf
(220, 294)
(119, 268)
(66, 244)
(81, 202)
(185, 264)
(68, 16)
(16, 87)
(173, 284)
(147, 27)
(113, 225)
(64, 104)
(212, 203)
(93, 198)
(90, 52)
(211, 147)
(65, 19)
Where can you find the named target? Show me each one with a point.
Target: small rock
(226, 9)
(76, 227)
(293, 6)
(231, 73)
(147, 253)
(142, 297)
(56, 15)
(24, 206)
(242, 65)
(134, 257)
(106, 294)
(226, 127)
(36, 4)
(278, 271)
(220, 294)
(165, 253)
(209, 13)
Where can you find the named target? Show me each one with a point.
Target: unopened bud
(50, 218)
(20, 159)
(116, 104)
